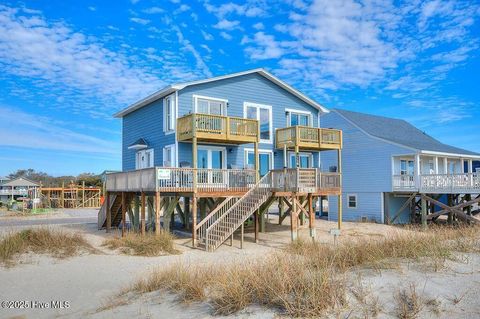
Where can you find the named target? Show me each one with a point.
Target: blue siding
(252, 88)
(147, 123)
(366, 169)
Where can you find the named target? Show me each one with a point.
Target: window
(296, 117)
(305, 159)
(264, 159)
(169, 113)
(406, 167)
(262, 113)
(144, 159)
(169, 156)
(352, 201)
(209, 105)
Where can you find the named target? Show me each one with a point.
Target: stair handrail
(266, 177)
(221, 209)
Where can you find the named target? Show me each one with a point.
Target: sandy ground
(89, 281)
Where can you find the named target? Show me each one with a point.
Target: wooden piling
(108, 212)
(157, 212)
(124, 214)
(142, 217)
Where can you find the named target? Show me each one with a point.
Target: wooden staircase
(115, 205)
(223, 222)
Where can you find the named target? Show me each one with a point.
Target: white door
(214, 159)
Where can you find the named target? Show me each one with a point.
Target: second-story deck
(309, 138)
(221, 182)
(461, 183)
(217, 128)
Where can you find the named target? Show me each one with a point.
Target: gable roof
(179, 86)
(399, 132)
(20, 181)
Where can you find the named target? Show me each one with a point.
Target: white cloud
(225, 24)
(258, 26)
(207, 36)
(225, 35)
(140, 20)
(153, 10)
(21, 129)
(92, 8)
(266, 47)
(200, 63)
(249, 9)
(75, 72)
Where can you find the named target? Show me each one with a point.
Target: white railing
(450, 183)
(171, 179)
(13, 192)
(207, 180)
(438, 183)
(404, 183)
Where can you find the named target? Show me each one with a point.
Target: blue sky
(66, 67)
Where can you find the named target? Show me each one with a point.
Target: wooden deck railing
(304, 180)
(166, 179)
(438, 183)
(217, 127)
(309, 137)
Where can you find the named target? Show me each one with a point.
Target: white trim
(209, 154)
(179, 86)
(176, 140)
(173, 156)
(292, 154)
(137, 147)
(348, 201)
(455, 155)
(145, 151)
(173, 120)
(195, 102)
(251, 150)
(296, 111)
(264, 106)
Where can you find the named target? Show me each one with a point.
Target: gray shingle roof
(399, 132)
(21, 181)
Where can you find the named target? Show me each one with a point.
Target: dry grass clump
(409, 303)
(281, 281)
(149, 244)
(57, 243)
(437, 245)
(308, 279)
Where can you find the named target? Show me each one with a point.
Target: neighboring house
(3, 180)
(15, 188)
(385, 160)
(152, 135)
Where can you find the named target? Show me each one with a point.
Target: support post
(194, 221)
(157, 212)
(293, 218)
(241, 235)
(108, 212)
(83, 194)
(124, 214)
(340, 207)
(311, 215)
(257, 162)
(142, 217)
(62, 194)
(194, 160)
(256, 215)
(450, 204)
(424, 212)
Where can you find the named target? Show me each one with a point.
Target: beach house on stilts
(218, 152)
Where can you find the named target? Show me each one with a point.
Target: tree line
(47, 180)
